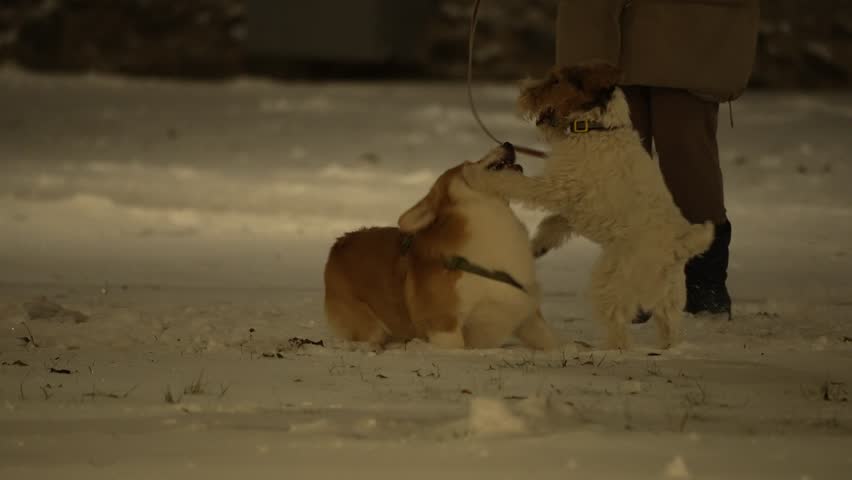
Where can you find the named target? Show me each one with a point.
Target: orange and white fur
(378, 291)
(603, 185)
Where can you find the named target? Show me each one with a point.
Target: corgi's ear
(419, 216)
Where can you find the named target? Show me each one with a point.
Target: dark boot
(706, 275)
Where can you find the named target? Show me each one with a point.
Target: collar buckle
(580, 126)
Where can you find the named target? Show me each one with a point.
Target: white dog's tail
(695, 241)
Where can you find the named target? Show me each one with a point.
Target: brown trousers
(682, 129)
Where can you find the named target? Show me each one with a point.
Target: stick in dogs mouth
(507, 161)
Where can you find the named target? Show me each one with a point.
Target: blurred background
(174, 172)
(229, 142)
(802, 44)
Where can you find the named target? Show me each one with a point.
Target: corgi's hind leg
(490, 324)
(536, 334)
(355, 321)
(447, 339)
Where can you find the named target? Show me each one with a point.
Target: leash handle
(473, 20)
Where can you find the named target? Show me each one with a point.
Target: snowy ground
(188, 224)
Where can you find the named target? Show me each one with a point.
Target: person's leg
(638, 100)
(684, 131)
(640, 113)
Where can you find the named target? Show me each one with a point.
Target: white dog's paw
(544, 242)
(541, 244)
(551, 233)
(540, 247)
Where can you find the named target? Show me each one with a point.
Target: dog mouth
(506, 161)
(505, 164)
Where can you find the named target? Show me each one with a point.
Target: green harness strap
(463, 264)
(460, 263)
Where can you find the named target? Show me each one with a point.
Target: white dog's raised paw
(539, 247)
(550, 234)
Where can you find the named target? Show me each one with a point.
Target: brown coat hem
(704, 46)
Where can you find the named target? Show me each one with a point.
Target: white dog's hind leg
(615, 320)
(668, 316)
(536, 334)
(668, 326)
(551, 233)
(607, 293)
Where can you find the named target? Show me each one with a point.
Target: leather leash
(519, 148)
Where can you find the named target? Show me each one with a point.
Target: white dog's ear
(419, 216)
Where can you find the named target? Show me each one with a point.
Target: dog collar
(586, 126)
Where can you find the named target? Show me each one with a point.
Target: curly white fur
(604, 186)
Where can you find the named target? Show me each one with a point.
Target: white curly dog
(601, 184)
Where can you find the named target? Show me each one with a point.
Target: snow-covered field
(161, 252)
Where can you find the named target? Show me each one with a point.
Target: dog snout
(508, 151)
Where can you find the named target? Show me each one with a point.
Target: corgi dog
(458, 271)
